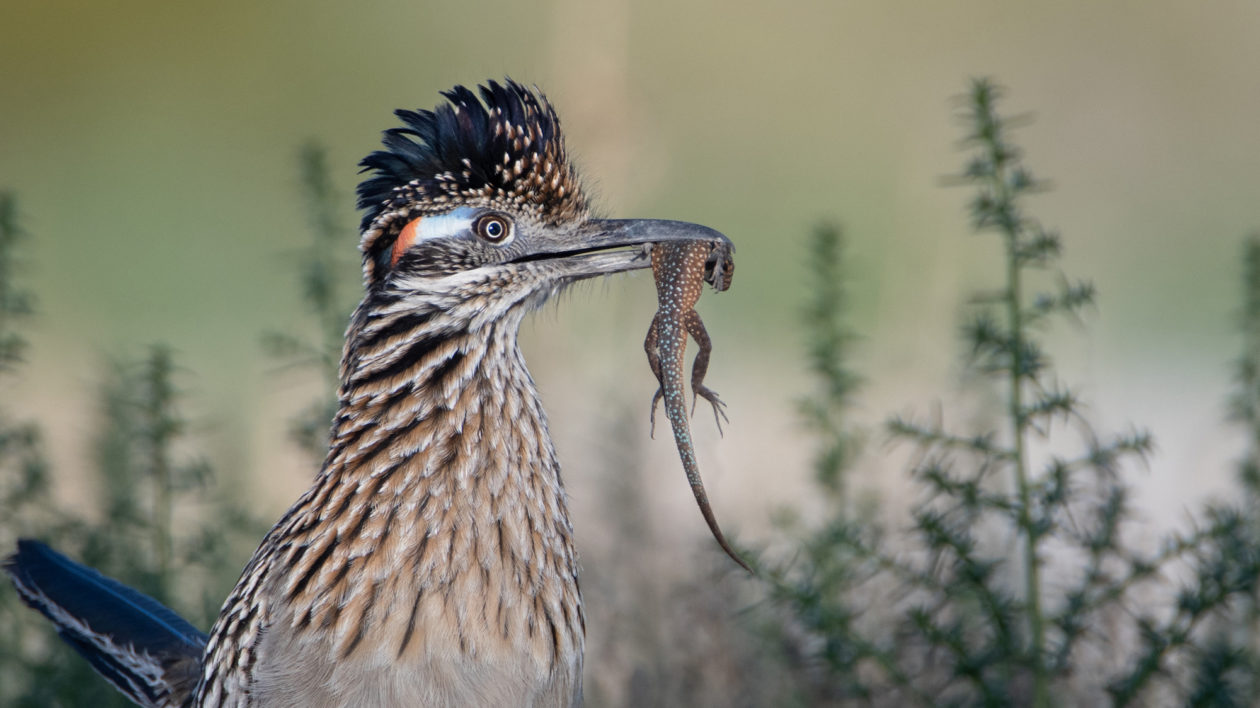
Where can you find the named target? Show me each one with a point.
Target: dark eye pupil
(493, 228)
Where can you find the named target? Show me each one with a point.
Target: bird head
(480, 191)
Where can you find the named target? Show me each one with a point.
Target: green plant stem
(1032, 567)
(1019, 429)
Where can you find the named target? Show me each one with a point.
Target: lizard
(680, 270)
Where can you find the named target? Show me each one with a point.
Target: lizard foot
(719, 407)
(656, 398)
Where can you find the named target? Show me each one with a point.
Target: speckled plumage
(431, 562)
(435, 541)
(438, 523)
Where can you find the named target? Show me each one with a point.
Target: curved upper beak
(606, 246)
(613, 233)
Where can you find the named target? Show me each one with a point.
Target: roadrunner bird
(432, 561)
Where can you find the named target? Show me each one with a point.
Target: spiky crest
(504, 151)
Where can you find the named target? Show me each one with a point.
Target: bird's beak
(605, 246)
(614, 233)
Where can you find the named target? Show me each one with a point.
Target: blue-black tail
(146, 650)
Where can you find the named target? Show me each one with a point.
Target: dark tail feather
(140, 646)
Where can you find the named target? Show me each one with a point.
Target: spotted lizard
(680, 269)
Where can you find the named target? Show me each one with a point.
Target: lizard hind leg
(700, 367)
(654, 360)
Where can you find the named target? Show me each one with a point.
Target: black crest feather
(504, 150)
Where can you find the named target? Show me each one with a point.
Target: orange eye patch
(433, 226)
(405, 238)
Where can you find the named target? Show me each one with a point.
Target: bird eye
(494, 228)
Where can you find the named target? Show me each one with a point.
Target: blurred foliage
(1017, 581)
(1226, 669)
(328, 283)
(35, 668)
(1014, 560)
(145, 477)
(150, 475)
(24, 482)
(828, 346)
(147, 470)
(16, 304)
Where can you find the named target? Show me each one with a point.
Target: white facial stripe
(444, 225)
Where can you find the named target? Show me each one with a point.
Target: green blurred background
(153, 147)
